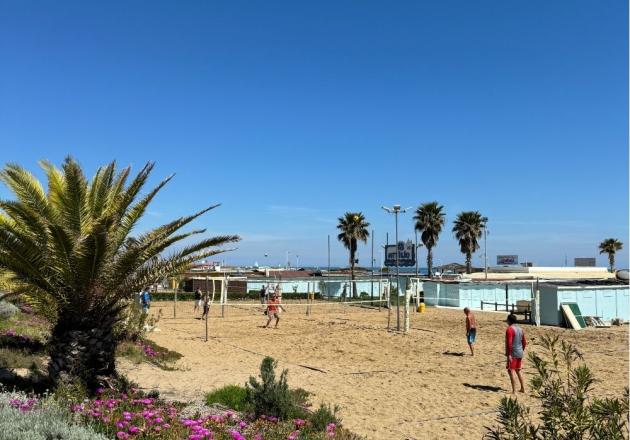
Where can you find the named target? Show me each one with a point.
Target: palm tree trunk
(353, 288)
(430, 261)
(611, 261)
(468, 262)
(85, 352)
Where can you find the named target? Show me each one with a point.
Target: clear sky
(290, 113)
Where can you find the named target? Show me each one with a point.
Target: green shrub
(324, 415)
(7, 310)
(566, 411)
(232, 396)
(270, 397)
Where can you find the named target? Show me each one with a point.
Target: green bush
(232, 396)
(325, 415)
(270, 397)
(566, 410)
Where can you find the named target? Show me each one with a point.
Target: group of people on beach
(515, 344)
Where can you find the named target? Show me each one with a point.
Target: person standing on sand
(471, 329)
(197, 300)
(273, 310)
(145, 298)
(263, 294)
(515, 344)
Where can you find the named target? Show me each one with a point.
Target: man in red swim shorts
(514, 351)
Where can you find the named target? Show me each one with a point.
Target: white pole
(537, 314)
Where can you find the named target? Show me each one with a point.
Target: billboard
(507, 260)
(584, 262)
(406, 254)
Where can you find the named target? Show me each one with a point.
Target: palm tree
(468, 227)
(353, 227)
(430, 219)
(610, 246)
(71, 252)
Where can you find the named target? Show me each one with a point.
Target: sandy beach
(422, 385)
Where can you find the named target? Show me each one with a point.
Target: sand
(420, 385)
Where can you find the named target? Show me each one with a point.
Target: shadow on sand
(484, 387)
(454, 353)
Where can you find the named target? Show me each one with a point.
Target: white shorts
(198, 303)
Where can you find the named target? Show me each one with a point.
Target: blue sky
(290, 113)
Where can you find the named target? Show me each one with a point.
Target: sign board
(507, 260)
(406, 254)
(584, 262)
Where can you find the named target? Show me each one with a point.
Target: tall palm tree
(430, 219)
(72, 251)
(468, 227)
(353, 227)
(610, 246)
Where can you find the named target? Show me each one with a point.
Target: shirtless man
(471, 329)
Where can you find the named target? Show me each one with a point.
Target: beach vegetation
(353, 228)
(430, 218)
(562, 384)
(70, 251)
(468, 229)
(610, 246)
(231, 396)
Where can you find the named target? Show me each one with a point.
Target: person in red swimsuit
(515, 344)
(273, 310)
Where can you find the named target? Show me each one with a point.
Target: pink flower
(293, 435)
(236, 435)
(134, 430)
(122, 435)
(299, 423)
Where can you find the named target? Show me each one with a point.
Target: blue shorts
(472, 334)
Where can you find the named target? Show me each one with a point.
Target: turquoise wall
(333, 288)
(602, 301)
(472, 294)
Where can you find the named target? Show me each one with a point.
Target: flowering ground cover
(135, 416)
(145, 350)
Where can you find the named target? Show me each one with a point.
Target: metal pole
(416, 253)
(328, 254)
(397, 278)
(485, 252)
(537, 311)
(372, 273)
(204, 305)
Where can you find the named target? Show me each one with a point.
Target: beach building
(606, 300)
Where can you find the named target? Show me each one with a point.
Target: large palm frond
(71, 244)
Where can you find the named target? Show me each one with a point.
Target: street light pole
(485, 246)
(395, 210)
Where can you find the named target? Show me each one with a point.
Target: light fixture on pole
(396, 210)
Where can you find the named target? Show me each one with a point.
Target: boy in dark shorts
(515, 344)
(471, 329)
